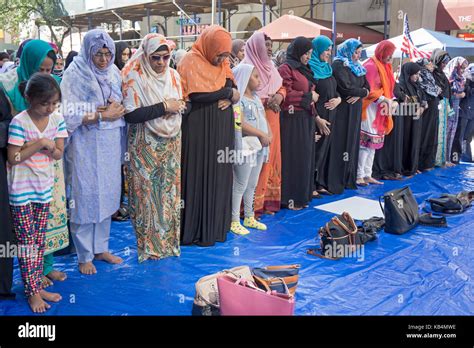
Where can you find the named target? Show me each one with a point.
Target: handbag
(277, 278)
(452, 204)
(250, 145)
(338, 238)
(239, 296)
(400, 210)
(206, 299)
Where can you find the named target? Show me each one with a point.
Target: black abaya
(6, 228)
(344, 151)
(206, 175)
(297, 146)
(388, 161)
(429, 131)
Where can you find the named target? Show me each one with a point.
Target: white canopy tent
(428, 40)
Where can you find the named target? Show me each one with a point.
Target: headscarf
(321, 69)
(142, 86)
(345, 52)
(427, 81)
(469, 73)
(381, 81)
(237, 45)
(69, 58)
(6, 67)
(256, 55)
(295, 50)
(411, 89)
(33, 55)
(58, 72)
(453, 73)
(279, 58)
(438, 57)
(242, 74)
(178, 55)
(119, 48)
(22, 46)
(87, 85)
(196, 70)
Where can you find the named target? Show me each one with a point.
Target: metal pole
(385, 15)
(264, 14)
(181, 29)
(213, 10)
(311, 4)
(334, 33)
(166, 26)
(120, 28)
(219, 9)
(89, 24)
(228, 19)
(70, 37)
(148, 19)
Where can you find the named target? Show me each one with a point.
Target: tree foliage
(15, 14)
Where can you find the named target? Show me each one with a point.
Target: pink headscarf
(256, 55)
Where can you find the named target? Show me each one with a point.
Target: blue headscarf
(321, 69)
(345, 52)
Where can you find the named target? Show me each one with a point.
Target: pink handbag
(243, 297)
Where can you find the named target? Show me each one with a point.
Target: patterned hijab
(454, 75)
(256, 55)
(142, 86)
(427, 80)
(321, 69)
(345, 52)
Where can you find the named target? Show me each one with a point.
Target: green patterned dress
(154, 192)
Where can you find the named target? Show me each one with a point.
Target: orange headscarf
(196, 70)
(381, 81)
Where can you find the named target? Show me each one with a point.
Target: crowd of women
(233, 132)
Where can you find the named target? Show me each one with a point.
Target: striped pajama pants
(30, 223)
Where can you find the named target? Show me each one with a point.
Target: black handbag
(401, 210)
(452, 204)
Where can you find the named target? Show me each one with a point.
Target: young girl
(35, 140)
(247, 171)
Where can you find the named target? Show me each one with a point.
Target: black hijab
(437, 57)
(119, 48)
(69, 58)
(411, 89)
(296, 49)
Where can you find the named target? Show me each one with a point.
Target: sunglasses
(158, 58)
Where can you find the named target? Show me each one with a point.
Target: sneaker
(252, 223)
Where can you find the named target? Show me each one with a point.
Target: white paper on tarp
(359, 208)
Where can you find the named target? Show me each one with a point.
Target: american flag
(408, 47)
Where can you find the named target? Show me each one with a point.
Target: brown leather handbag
(338, 238)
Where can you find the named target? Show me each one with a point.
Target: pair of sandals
(121, 214)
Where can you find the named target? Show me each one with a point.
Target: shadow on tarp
(427, 271)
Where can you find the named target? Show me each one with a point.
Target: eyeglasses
(158, 58)
(103, 55)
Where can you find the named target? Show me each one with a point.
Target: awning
(163, 8)
(288, 27)
(454, 14)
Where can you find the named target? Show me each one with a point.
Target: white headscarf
(142, 86)
(242, 73)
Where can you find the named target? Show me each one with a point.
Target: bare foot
(361, 182)
(46, 281)
(50, 296)
(108, 257)
(373, 181)
(57, 275)
(154, 258)
(449, 164)
(37, 304)
(87, 268)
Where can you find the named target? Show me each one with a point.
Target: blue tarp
(427, 271)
